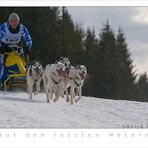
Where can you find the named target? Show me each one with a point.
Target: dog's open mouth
(82, 75)
(60, 72)
(65, 72)
(37, 70)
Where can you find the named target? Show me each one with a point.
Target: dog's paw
(36, 93)
(63, 96)
(55, 100)
(67, 100)
(48, 101)
(51, 97)
(78, 99)
(30, 96)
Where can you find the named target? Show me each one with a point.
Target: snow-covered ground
(17, 111)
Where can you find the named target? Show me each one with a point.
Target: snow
(17, 111)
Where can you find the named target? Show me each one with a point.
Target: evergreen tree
(126, 76)
(107, 59)
(90, 50)
(143, 87)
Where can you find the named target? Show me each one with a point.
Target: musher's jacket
(9, 37)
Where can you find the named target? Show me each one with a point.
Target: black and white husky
(68, 67)
(76, 83)
(53, 80)
(74, 78)
(34, 76)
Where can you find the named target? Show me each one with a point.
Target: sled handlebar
(14, 46)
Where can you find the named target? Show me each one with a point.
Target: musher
(11, 33)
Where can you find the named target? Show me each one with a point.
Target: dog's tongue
(62, 73)
(65, 72)
(59, 72)
(81, 75)
(37, 71)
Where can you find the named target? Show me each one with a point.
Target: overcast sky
(133, 20)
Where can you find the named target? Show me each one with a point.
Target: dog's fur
(53, 80)
(76, 83)
(74, 78)
(67, 73)
(68, 67)
(57, 81)
(65, 61)
(34, 76)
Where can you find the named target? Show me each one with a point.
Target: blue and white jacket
(9, 38)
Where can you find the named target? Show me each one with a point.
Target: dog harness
(77, 82)
(56, 82)
(30, 71)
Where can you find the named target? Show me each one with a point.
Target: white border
(73, 3)
(86, 138)
(140, 140)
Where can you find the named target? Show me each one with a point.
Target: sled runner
(14, 69)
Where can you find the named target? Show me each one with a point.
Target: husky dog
(53, 80)
(34, 76)
(67, 71)
(65, 61)
(77, 82)
(68, 66)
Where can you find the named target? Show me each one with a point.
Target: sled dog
(68, 74)
(53, 75)
(76, 82)
(34, 76)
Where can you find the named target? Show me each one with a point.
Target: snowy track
(17, 111)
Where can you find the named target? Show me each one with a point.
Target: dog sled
(14, 69)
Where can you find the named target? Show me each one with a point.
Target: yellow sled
(16, 69)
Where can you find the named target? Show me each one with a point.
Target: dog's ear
(61, 58)
(39, 61)
(32, 62)
(56, 62)
(77, 66)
